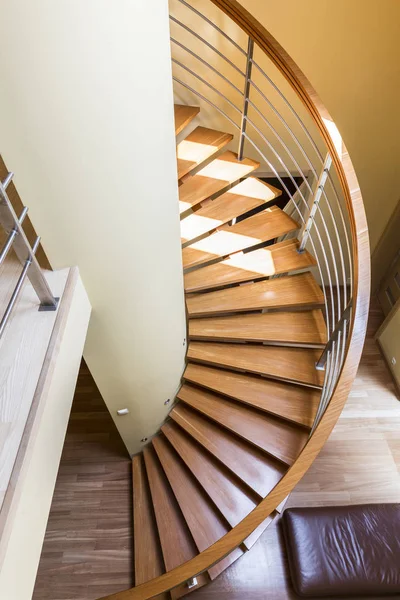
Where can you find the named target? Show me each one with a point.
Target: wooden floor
(87, 552)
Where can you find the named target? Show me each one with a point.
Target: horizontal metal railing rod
(202, 97)
(201, 39)
(9, 221)
(313, 170)
(18, 287)
(206, 64)
(206, 83)
(11, 236)
(7, 180)
(320, 157)
(207, 20)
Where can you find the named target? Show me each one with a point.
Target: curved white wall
(86, 121)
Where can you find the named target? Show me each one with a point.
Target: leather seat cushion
(344, 550)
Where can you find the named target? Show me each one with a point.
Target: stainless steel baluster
(247, 83)
(21, 246)
(315, 202)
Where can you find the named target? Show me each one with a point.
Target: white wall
(86, 121)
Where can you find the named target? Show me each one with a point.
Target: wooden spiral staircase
(250, 388)
(253, 411)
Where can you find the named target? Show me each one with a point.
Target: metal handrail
(323, 232)
(17, 240)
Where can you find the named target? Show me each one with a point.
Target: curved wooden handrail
(361, 262)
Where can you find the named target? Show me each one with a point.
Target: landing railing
(226, 61)
(16, 239)
(223, 68)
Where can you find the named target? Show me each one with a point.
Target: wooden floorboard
(87, 553)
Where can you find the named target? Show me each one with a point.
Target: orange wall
(350, 51)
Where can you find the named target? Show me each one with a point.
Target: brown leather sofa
(351, 551)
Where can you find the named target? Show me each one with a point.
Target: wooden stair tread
(227, 493)
(199, 146)
(264, 262)
(204, 521)
(256, 469)
(241, 198)
(282, 292)
(148, 557)
(177, 544)
(276, 437)
(279, 362)
(266, 225)
(292, 402)
(183, 115)
(294, 328)
(213, 178)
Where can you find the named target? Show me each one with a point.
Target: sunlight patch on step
(195, 225)
(225, 170)
(253, 188)
(194, 151)
(225, 242)
(260, 262)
